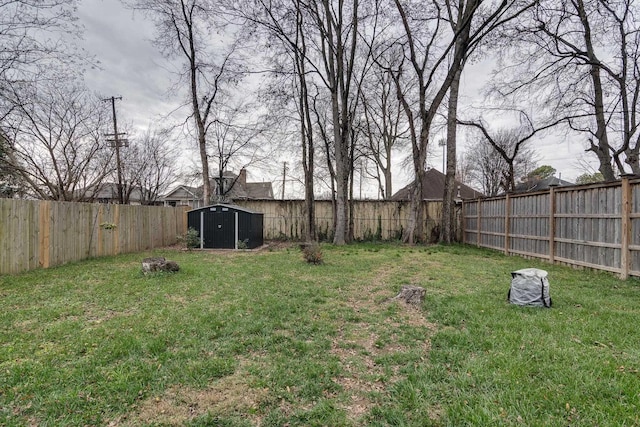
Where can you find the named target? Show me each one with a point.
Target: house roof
(109, 191)
(540, 184)
(259, 190)
(182, 192)
(241, 190)
(433, 188)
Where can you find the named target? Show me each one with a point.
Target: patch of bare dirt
(180, 404)
(180, 300)
(357, 344)
(269, 245)
(96, 316)
(279, 245)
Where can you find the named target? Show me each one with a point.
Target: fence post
(44, 234)
(116, 234)
(479, 215)
(507, 223)
(96, 225)
(463, 223)
(625, 219)
(185, 219)
(552, 223)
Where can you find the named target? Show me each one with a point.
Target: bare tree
(56, 138)
(149, 165)
(36, 39)
(185, 29)
(283, 28)
(574, 19)
(498, 166)
(37, 48)
(485, 167)
(465, 169)
(338, 26)
(282, 40)
(580, 59)
(238, 138)
(623, 72)
(383, 126)
(435, 58)
(10, 183)
(323, 40)
(488, 19)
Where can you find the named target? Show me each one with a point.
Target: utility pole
(117, 142)
(284, 178)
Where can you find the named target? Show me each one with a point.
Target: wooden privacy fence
(37, 233)
(595, 226)
(372, 219)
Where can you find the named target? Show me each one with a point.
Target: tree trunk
(200, 125)
(341, 147)
(388, 188)
(413, 232)
(342, 214)
(310, 211)
(448, 202)
(633, 159)
(306, 137)
(602, 149)
(351, 219)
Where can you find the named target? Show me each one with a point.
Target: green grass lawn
(263, 338)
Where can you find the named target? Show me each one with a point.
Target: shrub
(312, 253)
(190, 239)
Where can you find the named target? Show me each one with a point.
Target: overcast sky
(131, 67)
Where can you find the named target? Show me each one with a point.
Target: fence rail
(37, 233)
(595, 226)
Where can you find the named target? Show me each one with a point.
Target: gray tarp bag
(530, 287)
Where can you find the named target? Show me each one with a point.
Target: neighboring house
(240, 189)
(108, 193)
(540, 184)
(183, 195)
(433, 188)
(234, 186)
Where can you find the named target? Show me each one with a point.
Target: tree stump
(412, 295)
(151, 265)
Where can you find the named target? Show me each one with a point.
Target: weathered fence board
(595, 226)
(372, 219)
(44, 233)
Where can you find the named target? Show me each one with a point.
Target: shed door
(220, 229)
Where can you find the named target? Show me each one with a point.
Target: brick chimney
(242, 178)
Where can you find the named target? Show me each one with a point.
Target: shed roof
(226, 205)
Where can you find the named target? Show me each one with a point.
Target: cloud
(130, 65)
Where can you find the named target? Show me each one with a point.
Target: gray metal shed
(224, 226)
